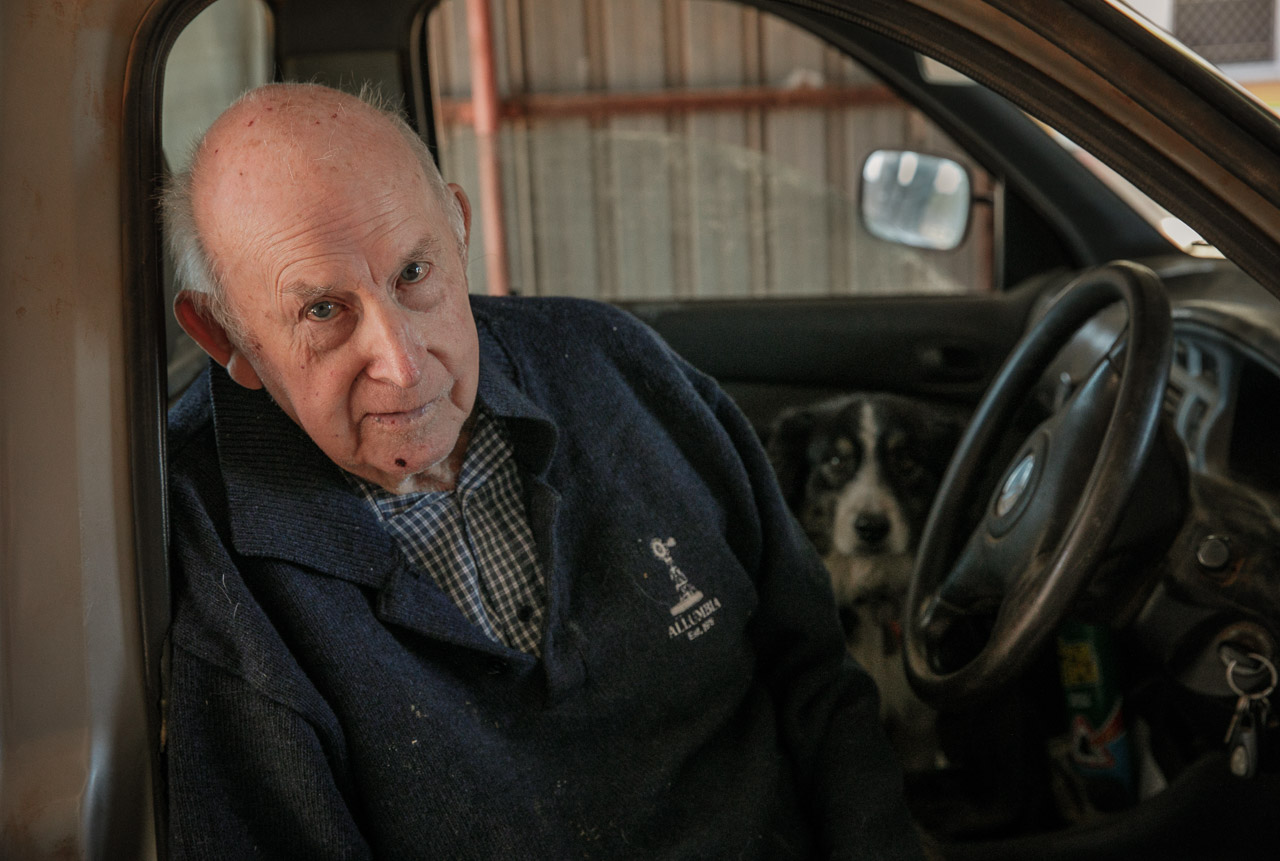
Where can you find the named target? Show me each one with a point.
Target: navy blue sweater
(329, 701)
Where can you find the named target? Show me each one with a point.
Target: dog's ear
(787, 448)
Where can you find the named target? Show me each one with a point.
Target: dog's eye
(831, 468)
(837, 469)
(905, 465)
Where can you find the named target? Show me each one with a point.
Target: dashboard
(1223, 396)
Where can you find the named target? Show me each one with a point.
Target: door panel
(773, 354)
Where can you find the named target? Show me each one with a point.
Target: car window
(225, 50)
(690, 150)
(670, 150)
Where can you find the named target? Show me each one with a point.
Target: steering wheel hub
(1015, 484)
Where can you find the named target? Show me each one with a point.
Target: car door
(83, 546)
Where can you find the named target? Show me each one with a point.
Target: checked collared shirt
(475, 540)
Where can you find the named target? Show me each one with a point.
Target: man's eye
(322, 310)
(413, 273)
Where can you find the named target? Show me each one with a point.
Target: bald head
(323, 259)
(283, 147)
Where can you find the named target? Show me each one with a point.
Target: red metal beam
(483, 110)
(610, 104)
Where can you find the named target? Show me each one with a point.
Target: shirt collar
(532, 432)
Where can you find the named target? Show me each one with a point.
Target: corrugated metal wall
(740, 194)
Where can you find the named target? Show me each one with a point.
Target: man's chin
(409, 471)
(411, 462)
(398, 476)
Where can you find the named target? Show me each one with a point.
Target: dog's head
(860, 471)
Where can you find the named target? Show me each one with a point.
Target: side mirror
(915, 199)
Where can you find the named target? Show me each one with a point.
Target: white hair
(195, 269)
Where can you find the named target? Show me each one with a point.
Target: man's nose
(391, 347)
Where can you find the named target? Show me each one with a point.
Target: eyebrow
(424, 249)
(305, 291)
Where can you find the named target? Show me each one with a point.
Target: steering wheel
(1057, 503)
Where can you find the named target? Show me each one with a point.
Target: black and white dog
(860, 472)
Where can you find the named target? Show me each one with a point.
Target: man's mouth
(401, 416)
(391, 418)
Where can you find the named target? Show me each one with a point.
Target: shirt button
(525, 613)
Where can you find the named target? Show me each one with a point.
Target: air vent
(1194, 398)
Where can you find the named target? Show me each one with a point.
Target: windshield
(1177, 231)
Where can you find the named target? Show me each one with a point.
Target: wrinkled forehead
(275, 164)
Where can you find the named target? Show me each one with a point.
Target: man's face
(351, 290)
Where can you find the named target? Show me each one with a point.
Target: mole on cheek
(400, 462)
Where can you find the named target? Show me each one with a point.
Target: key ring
(1231, 677)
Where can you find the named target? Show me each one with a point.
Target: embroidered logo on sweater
(692, 610)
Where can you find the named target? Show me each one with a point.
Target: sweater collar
(288, 501)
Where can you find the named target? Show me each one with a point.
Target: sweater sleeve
(249, 774)
(248, 777)
(828, 707)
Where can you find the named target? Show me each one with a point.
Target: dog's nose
(871, 528)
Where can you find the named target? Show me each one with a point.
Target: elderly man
(469, 577)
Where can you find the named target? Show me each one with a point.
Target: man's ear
(465, 204)
(198, 321)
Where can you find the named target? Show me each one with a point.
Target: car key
(1242, 740)
(1249, 715)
